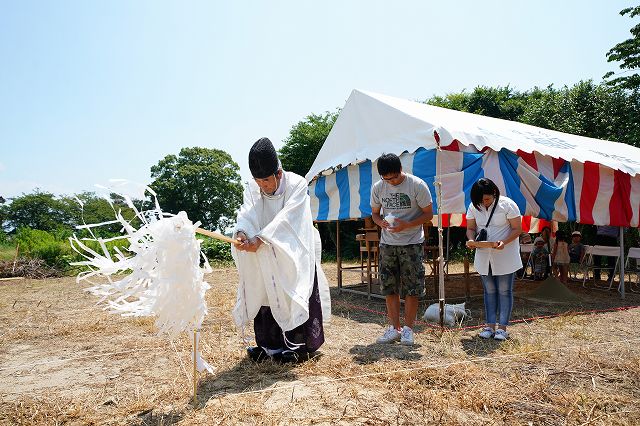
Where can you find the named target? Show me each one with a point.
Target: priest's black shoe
(257, 354)
(294, 357)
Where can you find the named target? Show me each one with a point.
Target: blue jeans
(498, 297)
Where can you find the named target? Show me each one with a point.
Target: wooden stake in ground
(438, 184)
(13, 268)
(195, 367)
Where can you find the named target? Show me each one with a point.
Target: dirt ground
(63, 360)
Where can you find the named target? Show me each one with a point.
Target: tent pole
(448, 243)
(621, 262)
(438, 184)
(338, 256)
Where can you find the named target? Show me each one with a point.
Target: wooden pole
(338, 256)
(438, 185)
(216, 235)
(195, 367)
(15, 258)
(467, 278)
(621, 263)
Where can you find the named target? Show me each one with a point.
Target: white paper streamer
(163, 277)
(201, 364)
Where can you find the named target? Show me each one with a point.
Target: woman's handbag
(482, 235)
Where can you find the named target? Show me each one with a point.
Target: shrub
(216, 250)
(44, 245)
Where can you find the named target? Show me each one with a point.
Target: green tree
(497, 102)
(297, 155)
(202, 182)
(304, 142)
(39, 210)
(586, 109)
(628, 54)
(96, 209)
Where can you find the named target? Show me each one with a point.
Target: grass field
(65, 361)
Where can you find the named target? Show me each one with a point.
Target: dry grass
(64, 361)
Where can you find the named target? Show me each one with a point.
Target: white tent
(372, 124)
(551, 175)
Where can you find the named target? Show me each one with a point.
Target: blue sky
(96, 90)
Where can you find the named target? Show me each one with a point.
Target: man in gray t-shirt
(405, 201)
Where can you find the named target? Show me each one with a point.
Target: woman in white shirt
(499, 258)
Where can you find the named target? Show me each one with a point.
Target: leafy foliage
(304, 142)
(498, 102)
(45, 212)
(628, 54)
(39, 210)
(297, 155)
(53, 249)
(216, 250)
(96, 209)
(586, 109)
(202, 182)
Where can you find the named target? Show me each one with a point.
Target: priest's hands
(247, 244)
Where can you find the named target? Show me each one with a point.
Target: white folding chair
(632, 266)
(605, 251)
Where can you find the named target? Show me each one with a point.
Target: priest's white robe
(280, 274)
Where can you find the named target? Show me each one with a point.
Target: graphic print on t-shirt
(396, 200)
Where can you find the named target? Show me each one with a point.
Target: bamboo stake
(15, 258)
(438, 184)
(216, 235)
(195, 367)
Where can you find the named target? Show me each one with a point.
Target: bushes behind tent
(54, 249)
(51, 247)
(215, 250)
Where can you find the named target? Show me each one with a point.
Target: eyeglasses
(396, 176)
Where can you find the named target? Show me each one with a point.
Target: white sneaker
(389, 336)
(486, 333)
(406, 336)
(501, 334)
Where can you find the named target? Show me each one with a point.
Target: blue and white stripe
(346, 193)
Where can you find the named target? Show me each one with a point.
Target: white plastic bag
(453, 314)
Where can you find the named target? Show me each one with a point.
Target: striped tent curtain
(544, 188)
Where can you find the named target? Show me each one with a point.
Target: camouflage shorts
(401, 266)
